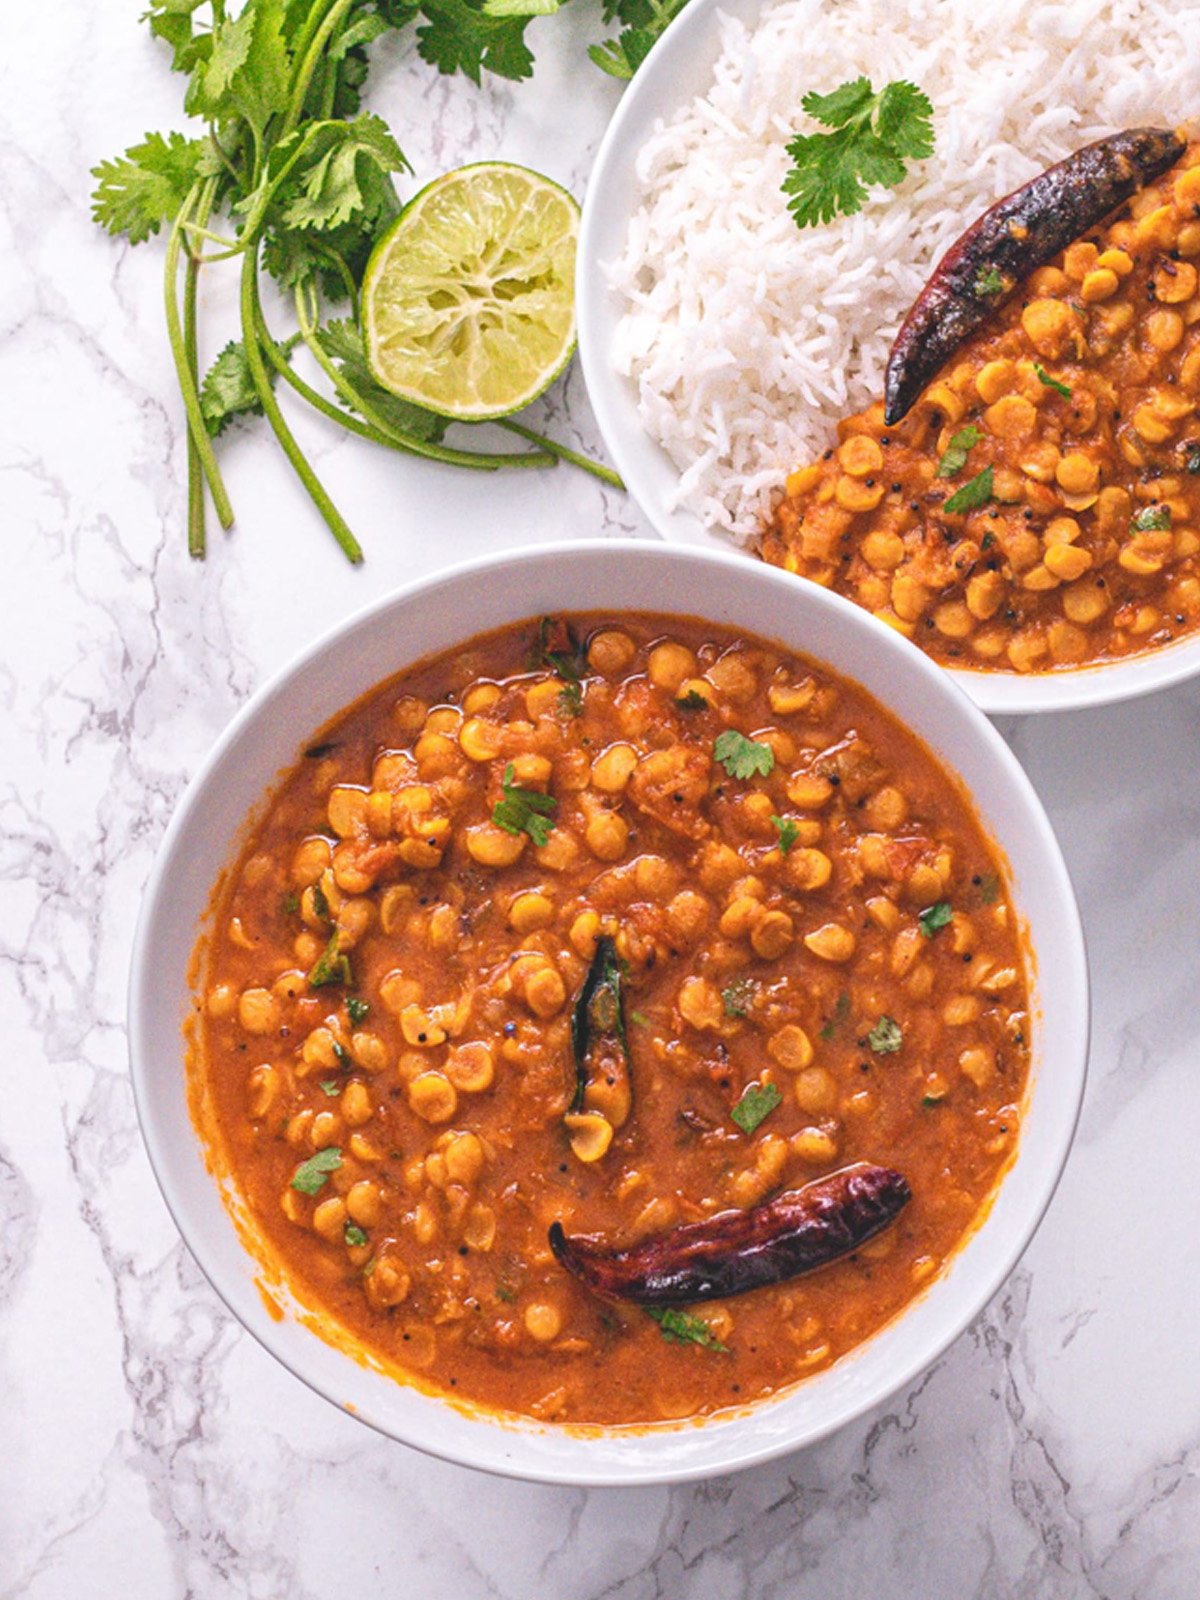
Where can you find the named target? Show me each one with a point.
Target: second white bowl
(677, 69)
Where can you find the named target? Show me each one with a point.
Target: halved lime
(469, 298)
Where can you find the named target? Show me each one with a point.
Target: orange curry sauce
(397, 1131)
(1079, 397)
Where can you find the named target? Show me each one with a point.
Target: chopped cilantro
(756, 1104)
(681, 1327)
(988, 282)
(935, 917)
(787, 830)
(954, 457)
(1151, 519)
(640, 1017)
(568, 661)
(570, 699)
(331, 1086)
(736, 997)
(742, 757)
(355, 1235)
(290, 904)
(691, 700)
(523, 810)
(885, 1037)
(320, 902)
(505, 1293)
(1051, 383)
(311, 1176)
(357, 1010)
(989, 888)
(1192, 459)
(331, 966)
(977, 492)
(841, 1013)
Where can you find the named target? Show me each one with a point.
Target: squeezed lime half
(468, 301)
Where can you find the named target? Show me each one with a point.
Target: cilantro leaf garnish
(290, 904)
(989, 888)
(756, 1104)
(787, 831)
(523, 810)
(934, 917)
(886, 1036)
(691, 700)
(331, 966)
(736, 997)
(1044, 377)
(973, 494)
(988, 282)
(332, 1087)
(841, 1013)
(874, 136)
(742, 757)
(570, 699)
(357, 1010)
(354, 1235)
(1152, 519)
(681, 1327)
(1192, 459)
(311, 1176)
(320, 902)
(954, 457)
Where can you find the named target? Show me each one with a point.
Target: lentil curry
(1039, 507)
(817, 966)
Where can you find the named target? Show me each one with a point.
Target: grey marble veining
(151, 1449)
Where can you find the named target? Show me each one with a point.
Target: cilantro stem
(266, 395)
(195, 473)
(310, 55)
(563, 452)
(197, 230)
(480, 460)
(391, 440)
(188, 387)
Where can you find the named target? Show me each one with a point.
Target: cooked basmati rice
(748, 338)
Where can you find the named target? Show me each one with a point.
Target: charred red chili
(1001, 248)
(737, 1251)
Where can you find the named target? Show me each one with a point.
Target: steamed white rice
(748, 338)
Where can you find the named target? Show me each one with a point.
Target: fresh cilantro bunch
(873, 136)
(302, 181)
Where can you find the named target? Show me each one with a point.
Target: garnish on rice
(873, 137)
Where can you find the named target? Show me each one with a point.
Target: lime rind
(468, 299)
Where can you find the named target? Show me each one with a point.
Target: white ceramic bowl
(678, 68)
(434, 615)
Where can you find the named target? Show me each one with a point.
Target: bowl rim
(252, 1314)
(608, 203)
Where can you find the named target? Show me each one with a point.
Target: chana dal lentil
(386, 1014)
(1068, 427)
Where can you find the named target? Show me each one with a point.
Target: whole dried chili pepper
(1019, 233)
(736, 1251)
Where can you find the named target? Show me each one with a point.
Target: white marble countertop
(152, 1449)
